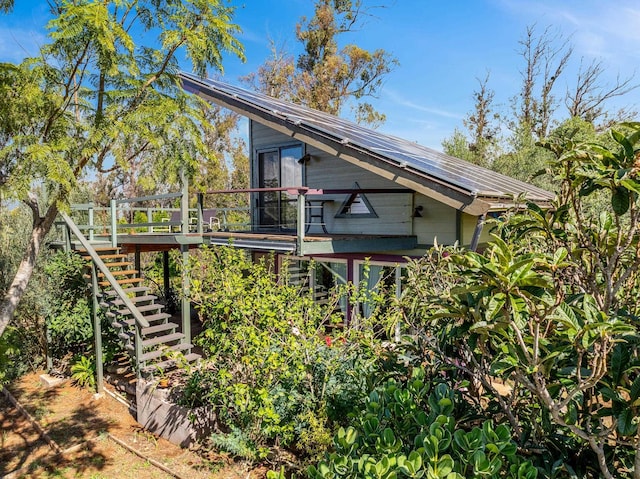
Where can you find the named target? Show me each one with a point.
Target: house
(332, 191)
(351, 201)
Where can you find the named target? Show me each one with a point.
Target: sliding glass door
(278, 168)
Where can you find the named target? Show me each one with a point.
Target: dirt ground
(74, 417)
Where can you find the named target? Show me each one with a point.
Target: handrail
(139, 199)
(139, 319)
(289, 189)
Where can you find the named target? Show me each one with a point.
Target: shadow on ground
(69, 418)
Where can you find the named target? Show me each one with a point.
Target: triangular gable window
(356, 204)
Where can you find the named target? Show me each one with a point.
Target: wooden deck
(269, 241)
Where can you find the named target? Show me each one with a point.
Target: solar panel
(474, 179)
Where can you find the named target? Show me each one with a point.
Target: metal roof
(471, 187)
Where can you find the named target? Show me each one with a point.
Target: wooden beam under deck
(269, 241)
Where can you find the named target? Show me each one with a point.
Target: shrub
(411, 430)
(68, 312)
(272, 376)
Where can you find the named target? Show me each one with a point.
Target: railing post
(138, 348)
(184, 202)
(200, 213)
(114, 224)
(97, 331)
(67, 238)
(150, 218)
(302, 205)
(186, 304)
(90, 211)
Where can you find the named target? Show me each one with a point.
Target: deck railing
(150, 214)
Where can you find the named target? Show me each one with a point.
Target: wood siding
(436, 224)
(394, 211)
(469, 223)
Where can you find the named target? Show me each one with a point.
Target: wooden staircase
(162, 347)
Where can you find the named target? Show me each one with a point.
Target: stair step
(157, 353)
(129, 321)
(113, 264)
(99, 248)
(106, 256)
(126, 336)
(134, 290)
(121, 281)
(159, 328)
(135, 300)
(121, 272)
(169, 338)
(169, 363)
(109, 302)
(142, 309)
(157, 317)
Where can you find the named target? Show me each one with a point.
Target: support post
(302, 205)
(114, 224)
(477, 232)
(97, 332)
(398, 332)
(184, 202)
(186, 305)
(138, 348)
(200, 213)
(67, 238)
(150, 219)
(90, 211)
(47, 333)
(166, 279)
(136, 261)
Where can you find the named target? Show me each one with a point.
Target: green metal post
(200, 213)
(114, 224)
(67, 239)
(398, 331)
(136, 261)
(302, 204)
(97, 332)
(186, 305)
(90, 211)
(48, 348)
(150, 219)
(138, 348)
(166, 280)
(184, 202)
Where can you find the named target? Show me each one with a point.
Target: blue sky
(442, 47)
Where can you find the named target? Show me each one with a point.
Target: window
(356, 204)
(319, 277)
(279, 168)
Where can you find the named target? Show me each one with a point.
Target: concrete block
(177, 424)
(49, 381)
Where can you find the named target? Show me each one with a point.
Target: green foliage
(355, 72)
(68, 315)
(549, 312)
(83, 371)
(271, 373)
(96, 98)
(23, 344)
(410, 430)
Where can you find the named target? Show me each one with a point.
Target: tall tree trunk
(41, 227)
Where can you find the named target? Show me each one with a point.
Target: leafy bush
(549, 312)
(272, 376)
(411, 431)
(83, 371)
(69, 311)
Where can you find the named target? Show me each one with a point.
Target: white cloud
(604, 30)
(399, 100)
